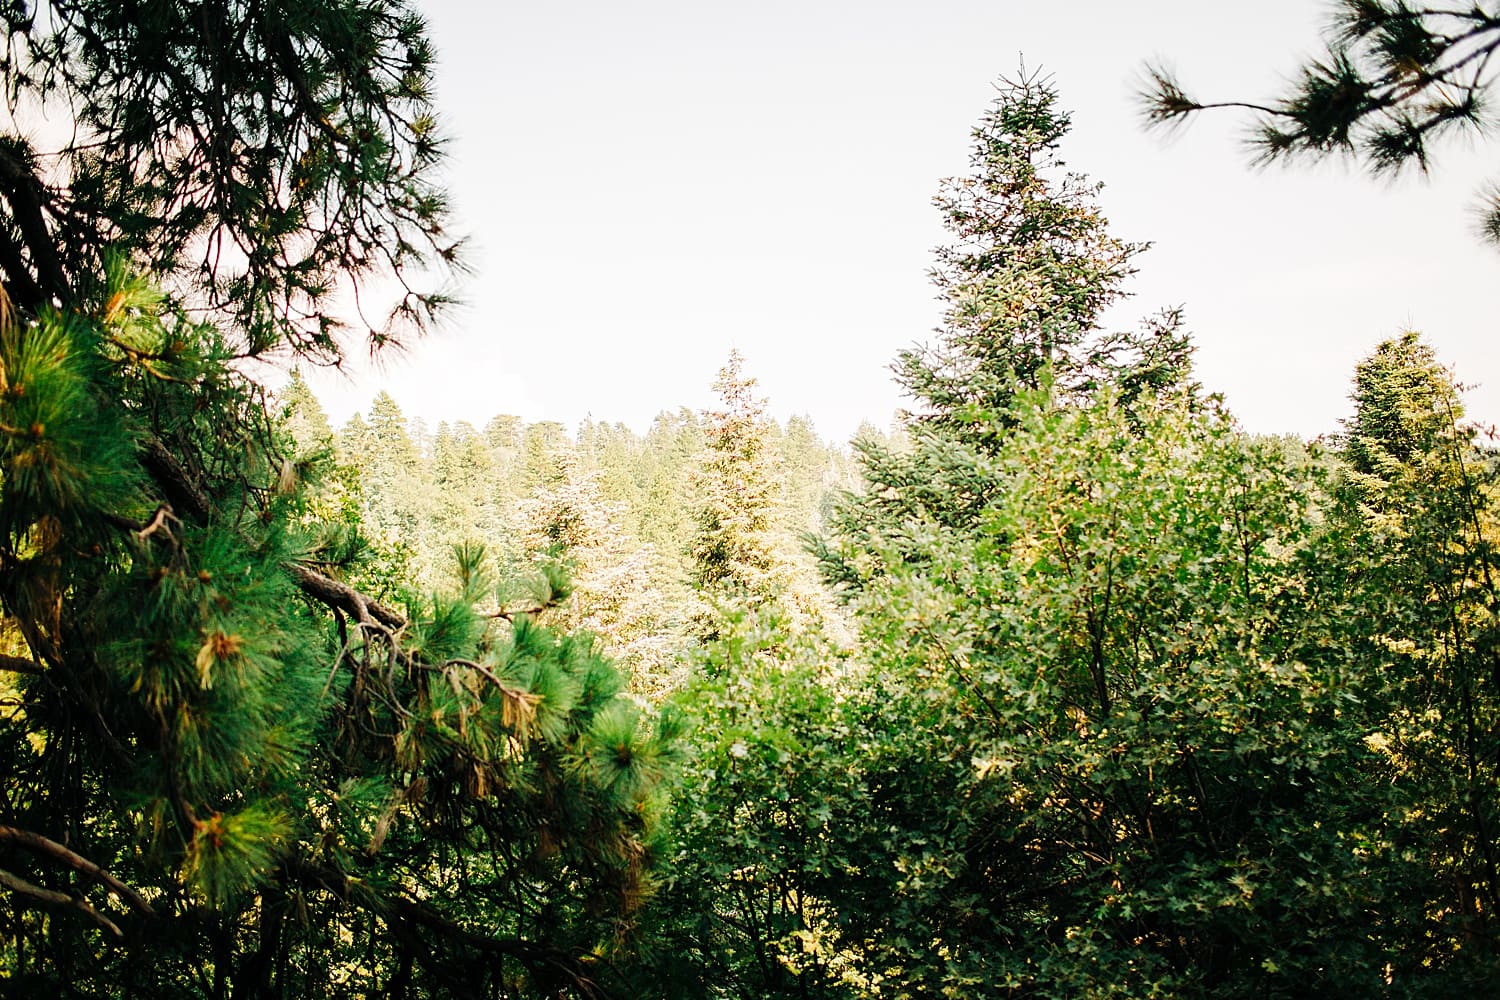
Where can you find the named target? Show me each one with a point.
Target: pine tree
(745, 558)
(398, 495)
(671, 450)
(1406, 408)
(303, 416)
(302, 138)
(545, 451)
(228, 770)
(732, 551)
(1026, 282)
(1028, 277)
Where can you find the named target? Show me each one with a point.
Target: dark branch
(406, 916)
(19, 664)
(343, 597)
(51, 849)
(26, 196)
(58, 901)
(182, 493)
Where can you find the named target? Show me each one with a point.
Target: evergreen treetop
(1029, 276)
(1027, 283)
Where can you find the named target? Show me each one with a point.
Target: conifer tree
(264, 157)
(1418, 575)
(1406, 409)
(742, 912)
(545, 451)
(303, 416)
(228, 770)
(732, 550)
(671, 449)
(1029, 274)
(1026, 282)
(745, 558)
(396, 489)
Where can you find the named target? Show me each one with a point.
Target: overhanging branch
(37, 896)
(52, 850)
(343, 597)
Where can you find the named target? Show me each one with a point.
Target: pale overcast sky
(650, 184)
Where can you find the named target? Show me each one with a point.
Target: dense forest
(1067, 685)
(612, 532)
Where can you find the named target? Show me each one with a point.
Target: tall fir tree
(1027, 282)
(732, 551)
(1029, 276)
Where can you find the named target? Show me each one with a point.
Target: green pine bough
(207, 730)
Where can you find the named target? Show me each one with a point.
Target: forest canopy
(1066, 685)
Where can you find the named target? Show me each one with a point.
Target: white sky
(648, 183)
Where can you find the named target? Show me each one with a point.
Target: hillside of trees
(1067, 686)
(631, 537)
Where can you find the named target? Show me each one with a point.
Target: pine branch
(58, 901)
(27, 196)
(343, 597)
(185, 496)
(19, 665)
(37, 844)
(188, 499)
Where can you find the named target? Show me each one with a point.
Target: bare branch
(343, 597)
(58, 901)
(509, 614)
(19, 665)
(37, 844)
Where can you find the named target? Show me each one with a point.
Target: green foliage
(1419, 572)
(1406, 410)
(741, 559)
(609, 516)
(747, 907)
(228, 770)
(301, 796)
(613, 593)
(1027, 279)
(309, 154)
(1029, 274)
(1148, 707)
(1138, 705)
(1154, 725)
(1123, 697)
(732, 549)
